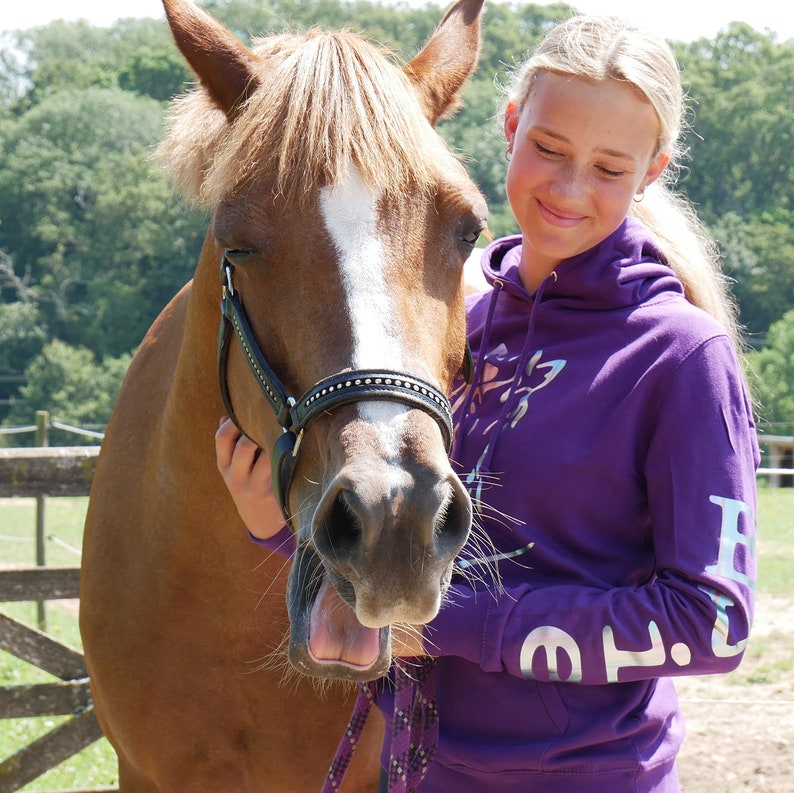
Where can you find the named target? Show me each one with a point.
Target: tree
(71, 385)
(21, 336)
(84, 209)
(75, 55)
(758, 253)
(773, 372)
(743, 127)
(159, 74)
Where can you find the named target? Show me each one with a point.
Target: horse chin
(326, 638)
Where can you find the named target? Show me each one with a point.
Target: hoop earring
(639, 196)
(508, 153)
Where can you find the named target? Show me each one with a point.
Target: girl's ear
(511, 123)
(656, 168)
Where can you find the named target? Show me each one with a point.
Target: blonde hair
(326, 100)
(599, 48)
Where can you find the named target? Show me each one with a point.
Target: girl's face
(581, 151)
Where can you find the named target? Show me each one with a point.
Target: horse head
(341, 222)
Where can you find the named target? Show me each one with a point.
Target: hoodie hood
(625, 269)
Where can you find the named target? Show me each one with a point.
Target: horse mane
(324, 101)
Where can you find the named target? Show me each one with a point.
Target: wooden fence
(56, 471)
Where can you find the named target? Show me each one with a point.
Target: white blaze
(350, 213)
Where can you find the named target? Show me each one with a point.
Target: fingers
(226, 439)
(246, 473)
(236, 456)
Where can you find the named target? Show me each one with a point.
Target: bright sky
(679, 20)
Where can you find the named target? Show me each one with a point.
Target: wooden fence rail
(56, 471)
(47, 471)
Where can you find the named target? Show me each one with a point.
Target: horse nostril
(338, 530)
(452, 528)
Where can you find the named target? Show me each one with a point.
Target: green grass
(776, 541)
(96, 765)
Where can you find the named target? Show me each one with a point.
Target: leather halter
(296, 415)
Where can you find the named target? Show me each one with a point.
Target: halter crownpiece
(296, 415)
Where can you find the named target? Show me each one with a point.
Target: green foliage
(71, 385)
(21, 335)
(85, 212)
(758, 253)
(773, 372)
(75, 55)
(743, 128)
(159, 74)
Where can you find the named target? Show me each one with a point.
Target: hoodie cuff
(459, 627)
(282, 543)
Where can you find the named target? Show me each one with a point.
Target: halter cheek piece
(295, 416)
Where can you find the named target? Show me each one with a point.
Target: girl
(607, 439)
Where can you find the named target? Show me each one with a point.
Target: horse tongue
(336, 636)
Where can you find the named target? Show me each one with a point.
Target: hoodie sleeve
(693, 615)
(282, 543)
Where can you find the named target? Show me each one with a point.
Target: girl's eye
(610, 173)
(541, 149)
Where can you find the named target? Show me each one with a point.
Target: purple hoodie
(609, 442)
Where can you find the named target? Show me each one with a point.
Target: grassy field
(64, 520)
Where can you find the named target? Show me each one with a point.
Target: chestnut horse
(340, 226)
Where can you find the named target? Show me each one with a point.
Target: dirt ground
(740, 727)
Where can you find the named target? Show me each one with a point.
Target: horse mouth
(326, 638)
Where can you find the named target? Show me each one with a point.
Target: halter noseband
(295, 416)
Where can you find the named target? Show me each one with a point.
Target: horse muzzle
(371, 563)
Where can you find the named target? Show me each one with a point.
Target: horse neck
(194, 404)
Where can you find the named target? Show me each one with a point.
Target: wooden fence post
(42, 439)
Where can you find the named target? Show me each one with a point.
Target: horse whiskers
(478, 564)
(274, 660)
(277, 660)
(268, 590)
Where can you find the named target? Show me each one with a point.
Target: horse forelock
(324, 101)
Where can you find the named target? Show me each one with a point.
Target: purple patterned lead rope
(349, 742)
(414, 737)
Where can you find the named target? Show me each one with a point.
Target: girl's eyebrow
(620, 155)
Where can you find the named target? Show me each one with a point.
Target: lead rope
(414, 736)
(349, 742)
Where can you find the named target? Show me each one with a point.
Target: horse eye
(238, 255)
(470, 238)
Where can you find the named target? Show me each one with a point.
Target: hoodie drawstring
(513, 395)
(498, 286)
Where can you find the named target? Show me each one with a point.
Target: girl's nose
(569, 183)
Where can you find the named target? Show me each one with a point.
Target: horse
(326, 316)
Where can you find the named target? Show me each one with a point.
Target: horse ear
(224, 65)
(440, 69)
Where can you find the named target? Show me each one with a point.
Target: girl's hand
(246, 473)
